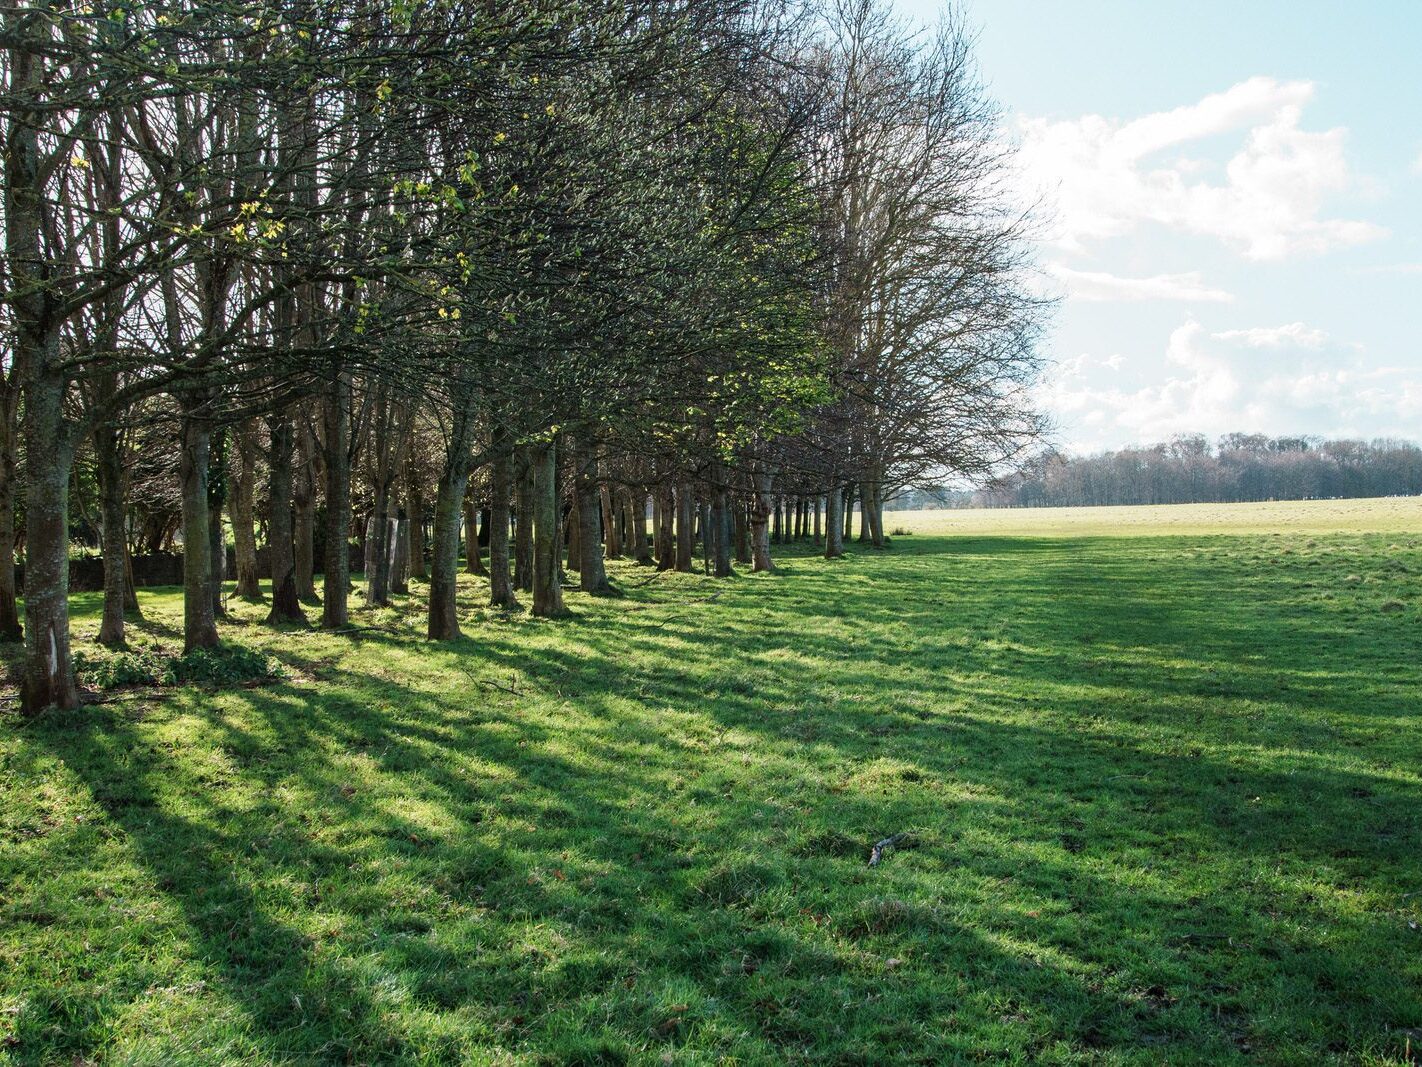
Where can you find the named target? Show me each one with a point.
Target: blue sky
(1233, 195)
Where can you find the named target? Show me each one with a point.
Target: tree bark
(49, 674)
(610, 531)
(10, 628)
(303, 493)
(199, 624)
(636, 508)
(834, 523)
(719, 533)
(523, 521)
(760, 523)
(501, 594)
(547, 593)
(216, 498)
(473, 560)
(592, 575)
(286, 605)
(685, 523)
(378, 552)
(873, 506)
(400, 553)
(663, 516)
(336, 579)
(240, 504)
(415, 505)
(444, 572)
(574, 530)
(742, 531)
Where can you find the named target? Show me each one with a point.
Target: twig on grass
(877, 852)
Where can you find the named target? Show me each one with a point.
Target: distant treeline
(1190, 469)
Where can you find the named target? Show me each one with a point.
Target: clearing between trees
(1159, 792)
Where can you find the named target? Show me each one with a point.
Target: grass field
(1382, 515)
(1162, 791)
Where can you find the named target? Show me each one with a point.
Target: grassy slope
(1164, 795)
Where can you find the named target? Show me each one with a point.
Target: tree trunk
(834, 523)
(547, 593)
(872, 506)
(336, 579)
(444, 572)
(636, 507)
(400, 557)
(199, 624)
(864, 511)
(286, 606)
(414, 494)
(240, 504)
(592, 575)
(719, 533)
(742, 532)
(815, 504)
(109, 468)
(523, 521)
(378, 550)
(473, 561)
(216, 498)
(303, 493)
(848, 509)
(610, 531)
(10, 628)
(49, 674)
(663, 516)
(685, 521)
(501, 594)
(761, 505)
(34, 327)
(574, 526)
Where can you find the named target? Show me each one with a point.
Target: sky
(1231, 196)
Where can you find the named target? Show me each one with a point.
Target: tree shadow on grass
(672, 810)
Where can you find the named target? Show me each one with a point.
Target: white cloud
(1295, 333)
(1091, 285)
(1268, 203)
(1417, 163)
(1265, 379)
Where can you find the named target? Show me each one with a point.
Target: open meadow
(1160, 773)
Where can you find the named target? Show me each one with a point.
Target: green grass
(1162, 791)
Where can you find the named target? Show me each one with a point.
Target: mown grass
(1401, 514)
(1162, 792)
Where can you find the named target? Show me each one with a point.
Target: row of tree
(306, 267)
(1238, 467)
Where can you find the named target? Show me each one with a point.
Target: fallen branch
(877, 852)
(684, 615)
(496, 685)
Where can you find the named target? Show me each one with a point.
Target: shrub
(120, 669)
(223, 665)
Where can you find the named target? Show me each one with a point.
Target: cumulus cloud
(1105, 176)
(1263, 379)
(1092, 285)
